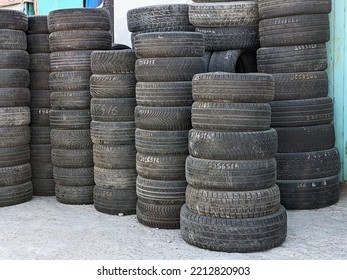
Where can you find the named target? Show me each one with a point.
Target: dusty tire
(14, 97)
(75, 195)
(115, 178)
(40, 99)
(70, 100)
(15, 175)
(39, 116)
(12, 195)
(70, 61)
(12, 40)
(14, 78)
(40, 135)
(110, 133)
(11, 136)
(13, 156)
(37, 25)
(14, 59)
(38, 43)
(14, 116)
(74, 176)
(39, 81)
(72, 158)
(69, 81)
(113, 62)
(43, 187)
(39, 62)
(114, 157)
(112, 109)
(70, 119)
(71, 139)
(12, 19)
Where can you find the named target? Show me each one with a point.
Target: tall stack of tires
(74, 34)
(40, 143)
(231, 33)
(232, 200)
(112, 87)
(293, 36)
(15, 170)
(166, 63)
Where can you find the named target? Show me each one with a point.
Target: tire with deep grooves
(16, 194)
(12, 19)
(74, 194)
(113, 62)
(12, 40)
(112, 86)
(14, 97)
(70, 61)
(71, 139)
(111, 133)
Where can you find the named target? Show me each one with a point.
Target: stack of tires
(231, 33)
(74, 34)
(15, 170)
(232, 200)
(166, 63)
(158, 18)
(112, 86)
(293, 37)
(40, 143)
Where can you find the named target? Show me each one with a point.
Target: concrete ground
(45, 229)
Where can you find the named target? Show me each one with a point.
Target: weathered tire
(294, 30)
(14, 116)
(163, 118)
(12, 19)
(12, 40)
(14, 78)
(233, 205)
(40, 153)
(43, 187)
(12, 195)
(309, 194)
(233, 145)
(39, 62)
(70, 61)
(231, 175)
(37, 25)
(113, 62)
(207, 57)
(74, 176)
(161, 142)
(13, 156)
(290, 59)
(230, 38)
(234, 235)
(38, 43)
(231, 116)
(303, 112)
(40, 98)
(69, 81)
(166, 94)
(40, 135)
(110, 133)
(169, 44)
(39, 80)
(39, 116)
(71, 139)
(115, 178)
(168, 69)
(115, 157)
(70, 119)
(14, 97)
(42, 170)
(112, 109)
(15, 175)
(75, 195)
(70, 100)
(72, 158)
(14, 59)
(243, 88)
(112, 86)
(14, 136)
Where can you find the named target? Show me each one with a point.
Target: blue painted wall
(45, 6)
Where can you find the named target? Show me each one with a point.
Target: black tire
(71, 139)
(14, 59)
(70, 61)
(115, 157)
(113, 62)
(233, 61)
(38, 43)
(39, 62)
(281, 8)
(14, 136)
(70, 119)
(233, 205)
(112, 86)
(112, 109)
(234, 235)
(161, 142)
(37, 25)
(14, 116)
(12, 19)
(13, 195)
(174, 94)
(161, 167)
(14, 97)
(12, 40)
(292, 59)
(169, 44)
(69, 81)
(14, 78)
(115, 201)
(75, 40)
(39, 116)
(230, 38)
(207, 57)
(169, 69)
(157, 16)
(159, 216)
(43, 187)
(40, 153)
(72, 158)
(40, 135)
(305, 112)
(163, 118)
(115, 178)
(70, 100)
(309, 194)
(39, 80)
(75, 195)
(308, 165)
(110, 133)
(13, 156)
(305, 138)
(231, 116)
(294, 30)
(230, 175)
(243, 88)
(15, 175)
(74, 176)
(304, 85)
(40, 99)
(233, 145)
(42, 170)
(72, 19)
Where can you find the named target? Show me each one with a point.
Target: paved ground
(46, 229)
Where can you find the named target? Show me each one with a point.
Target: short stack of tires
(166, 63)
(232, 200)
(15, 170)
(293, 37)
(74, 34)
(40, 143)
(112, 86)
(231, 33)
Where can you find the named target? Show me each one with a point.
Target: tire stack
(112, 86)
(15, 170)
(293, 37)
(232, 200)
(166, 63)
(74, 34)
(40, 143)
(231, 33)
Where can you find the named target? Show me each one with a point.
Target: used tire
(15, 175)
(14, 78)
(38, 43)
(115, 157)
(115, 178)
(14, 116)
(70, 119)
(72, 158)
(11, 136)
(13, 156)
(14, 59)
(39, 80)
(112, 109)
(113, 62)
(12, 40)
(40, 135)
(37, 25)
(69, 81)
(39, 116)
(111, 133)
(112, 86)
(43, 187)
(70, 100)
(74, 176)
(12, 19)
(39, 62)
(14, 97)
(70, 61)
(71, 139)
(75, 195)
(12, 195)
